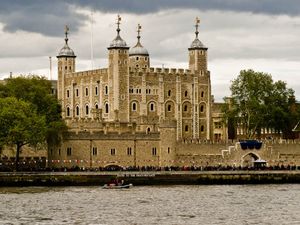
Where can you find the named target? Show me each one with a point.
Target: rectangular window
(96, 90)
(86, 91)
(68, 93)
(77, 92)
(129, 152)
(58, 151)
(69, 151)
(113, 151)
(95, 151)
(154, 151)
(169, 150)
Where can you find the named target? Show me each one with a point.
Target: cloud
(46, 17)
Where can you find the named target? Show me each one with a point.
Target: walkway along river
(149, 177)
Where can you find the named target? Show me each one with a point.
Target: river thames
(215, 204)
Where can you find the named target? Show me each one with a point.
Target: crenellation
(132, 107)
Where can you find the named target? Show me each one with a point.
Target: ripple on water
(237, 204)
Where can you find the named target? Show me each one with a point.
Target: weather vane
(197, 25)
(118, 23)
(66, 33)
(139, 29)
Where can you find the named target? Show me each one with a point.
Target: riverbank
(149, 178)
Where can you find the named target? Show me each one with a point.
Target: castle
(130, 114)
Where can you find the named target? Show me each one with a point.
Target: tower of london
(131, 114)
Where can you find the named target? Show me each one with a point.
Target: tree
(38, 91)
(20, 125)
(259, 102)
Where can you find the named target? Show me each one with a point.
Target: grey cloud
(46, 17)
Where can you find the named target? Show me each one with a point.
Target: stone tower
(66, 64)
(198, 54)
(117, 90)
(138, 55)
(201, 99)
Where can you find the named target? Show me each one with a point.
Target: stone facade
(130, 114)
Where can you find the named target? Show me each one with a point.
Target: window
(185, 108)
(77, 92)
(185, 94)
(133, 106)
(59, 151)
(154, 151)
(68, 111)
(201, 108)
(69, 151)
(202, 94)
(66, 67)
(86, 91)
(68, 93)
(186, 128)
(113, 151)
(137, 58)
(169, 150)
(152, 107)
(106, 108)
(77, 110)
(96, 90)
(202, 128)
(169, 108)
(148, 130)
(129, 152)
(86, 110)
(218, 125)
(169, 93)
(106, 90)
(96, 106)
(95, 151)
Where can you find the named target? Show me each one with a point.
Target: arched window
(185, 108)
(96, 106)
(152, 107)
(106, 108)
(68, 111)
(169, 93)
(133, 106)
(86, 110)
(148, 130)
(106, 90)
(202, 128)
(169, 108)
(202, 94)
(185, 94)
(186, 128)
(68, 93)
(201, 108)
(77, 110)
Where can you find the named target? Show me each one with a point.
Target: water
(236, 204)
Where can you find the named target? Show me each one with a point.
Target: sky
(263, 35)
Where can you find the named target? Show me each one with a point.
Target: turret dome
(138, 49)
(118, 42)
(66, 51)
(197, 44)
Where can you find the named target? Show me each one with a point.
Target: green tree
(259, 102)
(20, 125)
(38, 91)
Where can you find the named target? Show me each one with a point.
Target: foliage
(20, 124)
(259, 102)
(37, 91)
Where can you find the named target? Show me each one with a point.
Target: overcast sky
(263, 35)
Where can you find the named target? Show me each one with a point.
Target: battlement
(158, 71)
(87, 73)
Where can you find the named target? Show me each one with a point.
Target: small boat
(114, 186)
